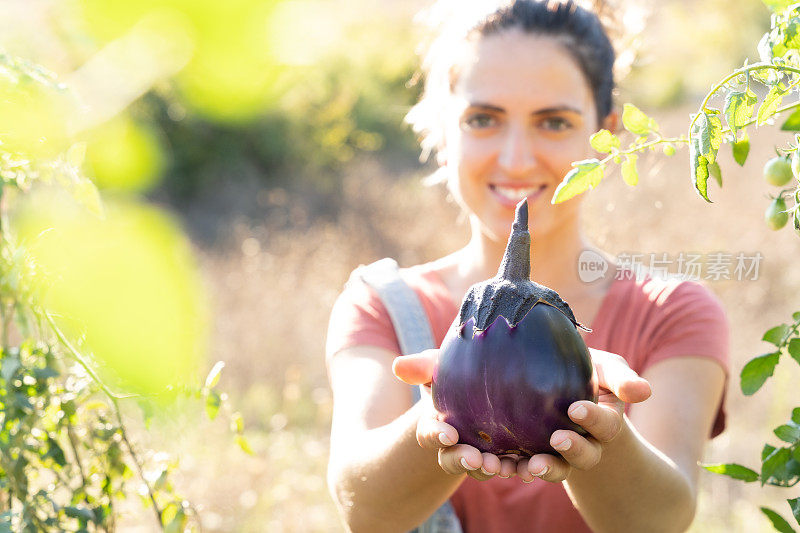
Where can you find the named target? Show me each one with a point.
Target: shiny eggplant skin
(507, 389)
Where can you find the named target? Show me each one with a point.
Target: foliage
(66, 458)
(751, 96)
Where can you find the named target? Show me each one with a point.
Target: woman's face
(520, 112)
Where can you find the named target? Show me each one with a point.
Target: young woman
(511, 99)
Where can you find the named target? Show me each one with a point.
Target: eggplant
(513, 361)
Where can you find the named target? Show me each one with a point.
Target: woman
(510, 101)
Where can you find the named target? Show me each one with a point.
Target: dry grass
(274, 271)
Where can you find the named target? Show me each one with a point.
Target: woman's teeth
(515, 193)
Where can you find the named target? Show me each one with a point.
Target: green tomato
(776, 216)
(778, 171)
(669, 150)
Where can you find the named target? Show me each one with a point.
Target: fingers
(603, 421)
(433, 433)
(614, 374)
(416, 369)
(580, 452)
(544, 466)
(465, 459)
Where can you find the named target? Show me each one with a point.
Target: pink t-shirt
(644, 321)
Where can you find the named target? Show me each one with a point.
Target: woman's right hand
(435, 434)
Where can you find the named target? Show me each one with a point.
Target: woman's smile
(509, 195)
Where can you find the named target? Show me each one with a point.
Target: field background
(280, 203)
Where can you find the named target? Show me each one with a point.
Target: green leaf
(733, 470)
(794, 349)
(793, 122)
(629, 172)
(741, 149)
(702, 132)
(795, 506)
(715, 172)
(9, 367)
(777, 520)
(774, 466)
(739, 108)
(796, 415)
(776, 335)
(796, 316)
(715, 136)
(699, 166)
(237, 423)
(213, 376)
(636, 122)
(756, 372)
(604, 141)
(81, 513)
(771, 103)
(244, 445)
(778, 5)
(213, 402)
(788, 432)
(584, 176)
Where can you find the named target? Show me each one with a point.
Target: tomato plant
(67, 459)
(776, 76)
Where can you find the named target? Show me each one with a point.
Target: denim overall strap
(414, 335)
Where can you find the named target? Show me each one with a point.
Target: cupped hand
(618, 383)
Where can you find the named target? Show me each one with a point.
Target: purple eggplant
(513, 361)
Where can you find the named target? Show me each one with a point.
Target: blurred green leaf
(793, 122)
(741, 148)
(213, 402)
(771, 103)
(777, 520)
(604, 141)
(796, 415)
(778, 5)
(788, 432)
(794, 349)
(636, 121)
(629, 172)
(213, 376)
(756, 372)
(244, 445)
(794, 504)
(586, 175)
(715, 172)
(733, 470)
(776, 335)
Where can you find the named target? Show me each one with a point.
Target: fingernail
(563, 445)
(444, 439)
(579, 413)
(485, 472)
(466, 465)
(528, 480)
(502, 476)
(541, 472)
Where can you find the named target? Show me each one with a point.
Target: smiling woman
(511, 98)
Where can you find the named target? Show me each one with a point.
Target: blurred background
(269, 135)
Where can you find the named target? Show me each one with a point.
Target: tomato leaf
(584, 176)
(793, 122)
(756, 372)
(777, 469)
(776, 335)
(733, 470)
(771, 103)
(699, 166)
(796, 415)
(795, 506)
(794, 349)
(213, 402)
(777, 520)
(788, 432)
(636, 122)
(702, 133)
(604, 141)
(739, 108)
(741, 149)
(715, 137)
(629, 172)
(715, 172)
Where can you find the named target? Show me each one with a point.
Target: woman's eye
(480, 120)
(556, 124)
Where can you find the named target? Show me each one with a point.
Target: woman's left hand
(619, 385)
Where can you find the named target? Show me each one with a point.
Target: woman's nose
(516, 155)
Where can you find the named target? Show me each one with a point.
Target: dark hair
(587, 40)
(580, 30)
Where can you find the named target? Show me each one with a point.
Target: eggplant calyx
(511, 293)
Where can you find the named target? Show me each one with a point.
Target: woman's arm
(379, 476)
(646, 479)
